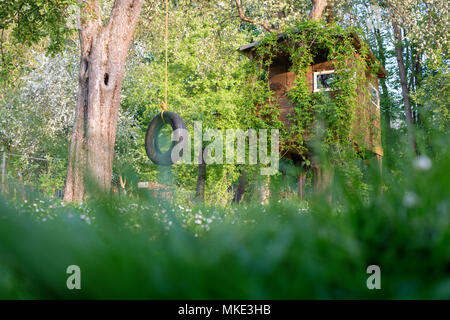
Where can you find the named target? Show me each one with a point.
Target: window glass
(323, 81)
(374, 95)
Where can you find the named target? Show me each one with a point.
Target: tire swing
(152, 147)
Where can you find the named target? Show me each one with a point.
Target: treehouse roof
(382, 73)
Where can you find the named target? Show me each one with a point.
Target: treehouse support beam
(301, 179)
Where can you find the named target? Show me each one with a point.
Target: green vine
(327, 117)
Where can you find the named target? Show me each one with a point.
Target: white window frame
(371, 86)
(315, 89)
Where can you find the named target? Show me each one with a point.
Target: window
(323, 80)
(374, 96)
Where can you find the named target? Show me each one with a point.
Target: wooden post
(380, 162)
(380, 168)
(264, 191)
(301, 185)
(123, 183)
(317, 179)
(323, 180)
(201, 178)
(3, 169)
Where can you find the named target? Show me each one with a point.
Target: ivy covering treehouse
(317, 83)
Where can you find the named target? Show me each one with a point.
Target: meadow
(149, 248)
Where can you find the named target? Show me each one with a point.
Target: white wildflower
(410, 199)
(422, 163)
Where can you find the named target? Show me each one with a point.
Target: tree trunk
(318, 6)
(103, 55)
(241, 188)
(201, 179)
(403, 82)
(386, 101)
(329, 11)
(415, 79)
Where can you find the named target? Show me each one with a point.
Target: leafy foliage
(323, 122)
(24, 23)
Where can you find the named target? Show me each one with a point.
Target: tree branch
(246, 19)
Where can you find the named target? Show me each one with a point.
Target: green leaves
(24, 23)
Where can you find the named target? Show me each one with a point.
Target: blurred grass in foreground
(284, 250)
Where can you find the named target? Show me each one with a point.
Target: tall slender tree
(404, 85)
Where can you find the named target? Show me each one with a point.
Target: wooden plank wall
(366, 125)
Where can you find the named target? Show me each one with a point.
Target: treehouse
(326, 62)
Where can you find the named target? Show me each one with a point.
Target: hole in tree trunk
(86, 64)
(106, 79)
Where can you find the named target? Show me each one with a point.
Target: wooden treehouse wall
(365, 127)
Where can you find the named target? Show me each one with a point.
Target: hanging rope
(164, 103)
(175, 121)
(166, 42)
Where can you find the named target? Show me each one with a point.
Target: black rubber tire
(151, 137)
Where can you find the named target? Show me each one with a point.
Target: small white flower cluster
(410, 199)
(422, 163)
(133, 214)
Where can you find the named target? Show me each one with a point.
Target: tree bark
(415, 78)
(201, 179)
(329, 11)
(103, 55)
(241, 188)
(385, 101)
(404, 85)
(317, 9)
(386, 107)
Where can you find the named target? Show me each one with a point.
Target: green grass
(150, 249)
